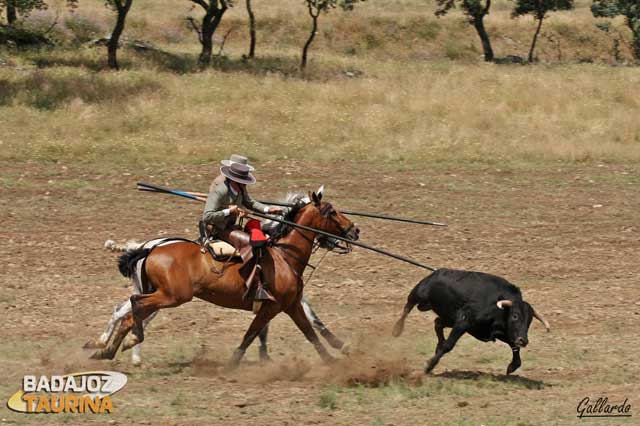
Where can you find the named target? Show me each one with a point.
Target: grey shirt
(217, 181)
(216, 211)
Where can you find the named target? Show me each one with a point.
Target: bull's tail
(127, 262)
(415, 298)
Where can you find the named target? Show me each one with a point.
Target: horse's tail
(416, 297)
(127, 262)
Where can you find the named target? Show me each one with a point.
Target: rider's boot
(262, 291)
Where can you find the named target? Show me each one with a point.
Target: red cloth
(255, 231)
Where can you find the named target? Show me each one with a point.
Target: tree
(476, 10)
(213, 12)
(252, 31)
(22, 7)
(630, 9)
(121, 7)
(539, 10)
(315, 8)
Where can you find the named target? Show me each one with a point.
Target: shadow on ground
(480, 376)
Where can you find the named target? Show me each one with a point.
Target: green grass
(433, 388)
(329, 398)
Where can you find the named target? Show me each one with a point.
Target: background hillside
(387, 81)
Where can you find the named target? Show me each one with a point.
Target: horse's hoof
(329, 360)
(234, 362)
(346, 349)
(333, 341)
(264, 357)
(130, 342)
(136, 361)
(94, 344)
(102, 354)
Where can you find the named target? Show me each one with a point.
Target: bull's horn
(504, 303)
(540, 318)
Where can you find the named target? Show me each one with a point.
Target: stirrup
(261, 291)
(263, 294)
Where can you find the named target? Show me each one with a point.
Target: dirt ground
(567, 235)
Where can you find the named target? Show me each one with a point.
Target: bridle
(330, 245)
(329, 213)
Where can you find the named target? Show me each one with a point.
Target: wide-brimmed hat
(240, 173)
(235, 158)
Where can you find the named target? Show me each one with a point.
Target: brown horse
(177, 272)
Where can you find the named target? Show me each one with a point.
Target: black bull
(486, 306)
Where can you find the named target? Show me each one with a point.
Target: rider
(225, 203)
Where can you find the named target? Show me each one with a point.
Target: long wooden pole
(347, 212)
(156, 188)
(347, 240)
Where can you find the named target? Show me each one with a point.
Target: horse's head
(326, 218)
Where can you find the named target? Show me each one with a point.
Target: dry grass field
(404, 99)
(535, 169)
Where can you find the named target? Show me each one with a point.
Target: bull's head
(519, 317)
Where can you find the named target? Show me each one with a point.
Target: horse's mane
(278, 229)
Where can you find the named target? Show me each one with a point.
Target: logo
(601, 407)
(88, 392)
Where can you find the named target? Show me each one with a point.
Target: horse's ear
(320, 192)
(314, 197)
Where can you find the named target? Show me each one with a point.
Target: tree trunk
(252, 30)
(314, 29)
(635, 43)
(207, 45)
(535, 37)
(478, 23)
(114, 40)
(12, 16)
(210, 23)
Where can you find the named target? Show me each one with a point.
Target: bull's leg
(110, 351)
(264, 351)
(515, 361)
(296, 312)
(457, 332)
(333, 341)
(439, 332)
(119, 312)
(260, 321)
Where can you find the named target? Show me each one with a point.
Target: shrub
(82, 29)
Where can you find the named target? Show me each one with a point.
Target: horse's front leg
(297, 314)
(260, 321)
(333, 341)
(264, 350)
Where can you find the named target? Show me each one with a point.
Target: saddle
(223, 251)
(241, 249)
